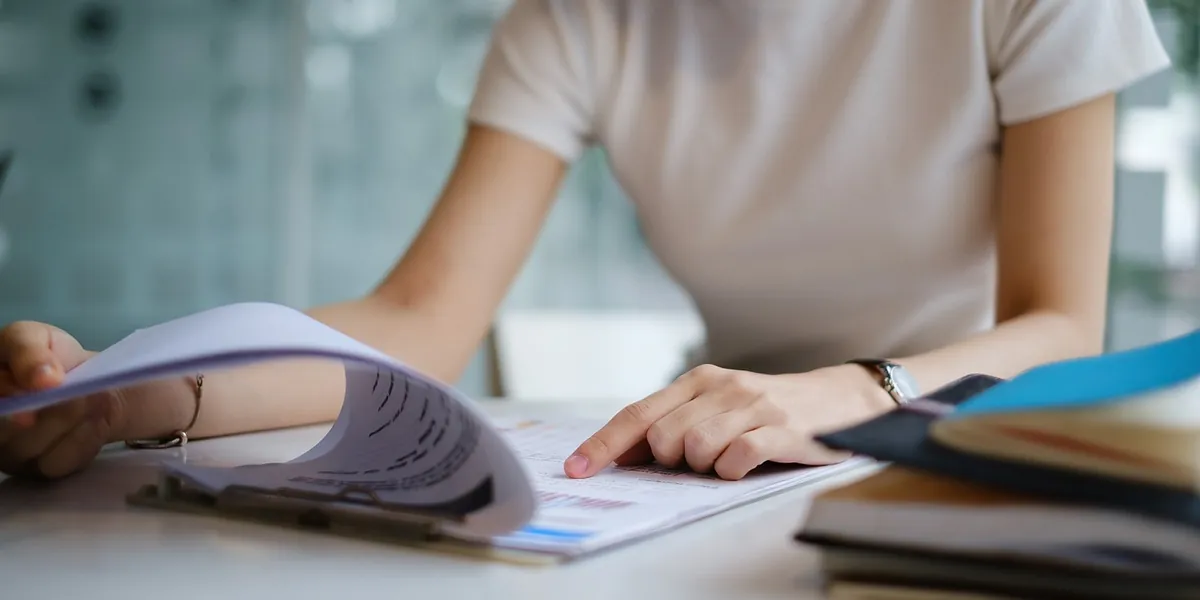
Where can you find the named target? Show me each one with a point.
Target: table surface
(77, 538)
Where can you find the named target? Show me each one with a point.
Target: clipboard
(352, 512)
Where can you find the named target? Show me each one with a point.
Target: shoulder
(537, 78)
(1047, 55)
(548, 63)
(564, 22)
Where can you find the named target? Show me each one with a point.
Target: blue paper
(1093, 380)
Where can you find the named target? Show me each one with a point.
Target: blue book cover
(1093, 380)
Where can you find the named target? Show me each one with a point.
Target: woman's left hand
(729, 422)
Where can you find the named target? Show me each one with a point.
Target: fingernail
(576, 465)
(44, 370)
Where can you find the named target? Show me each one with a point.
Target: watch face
(905, 384)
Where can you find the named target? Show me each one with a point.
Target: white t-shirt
(817, 174)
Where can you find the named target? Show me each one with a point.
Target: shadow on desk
(102, 486)
(72, 505)
(117, 472)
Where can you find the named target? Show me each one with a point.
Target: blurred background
(173, 155)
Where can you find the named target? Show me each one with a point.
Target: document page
(576, 516)
(405, 438)
(398, 437)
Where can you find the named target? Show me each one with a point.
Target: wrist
(866, 385)
(154, 410)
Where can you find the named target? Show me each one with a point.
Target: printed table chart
(78, 539)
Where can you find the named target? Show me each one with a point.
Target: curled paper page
(408, 439)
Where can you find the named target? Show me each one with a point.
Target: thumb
(39, 355)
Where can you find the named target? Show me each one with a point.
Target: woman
(834, 182)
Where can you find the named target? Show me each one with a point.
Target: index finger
(626, 429)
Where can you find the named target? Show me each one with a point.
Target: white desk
(77, 539)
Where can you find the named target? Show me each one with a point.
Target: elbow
(1066, 319)
(1073, 334)
(1086, 333)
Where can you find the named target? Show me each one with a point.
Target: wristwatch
(895, 379)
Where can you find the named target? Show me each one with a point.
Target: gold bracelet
(180, 437)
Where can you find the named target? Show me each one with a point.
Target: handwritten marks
(415, 449)
(387, 395)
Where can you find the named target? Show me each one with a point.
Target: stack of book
(1079, 479)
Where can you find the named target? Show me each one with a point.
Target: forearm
(289, 393)
(1013, 346)
(430, 312)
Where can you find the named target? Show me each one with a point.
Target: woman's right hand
(61, 439)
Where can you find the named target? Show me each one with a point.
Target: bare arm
(1055, 212)
(431, 311)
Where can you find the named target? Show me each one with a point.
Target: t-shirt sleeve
(535, 80)
(1049, 55)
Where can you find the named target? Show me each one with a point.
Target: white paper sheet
(577, 516)
(407, 438)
